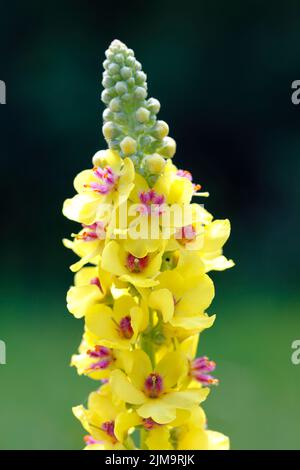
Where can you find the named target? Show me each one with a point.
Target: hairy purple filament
(152, 203)
(137, 265)
(126, 329)
(153, 385)
(200, 370)
(104, 356)
(109, 428)
(108, 180)
(95, 231)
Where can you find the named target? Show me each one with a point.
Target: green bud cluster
(130, 118)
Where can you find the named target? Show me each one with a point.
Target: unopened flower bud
(119, 58)
(142, 115)
(113, 68)
(115, 104)
(109, 130)
(126, 72)
(107, 115)
(121, 88)
(140, 93)
(169, 147)
(107, 81)
(128, 145)
(153, 105)
(155, 163)
(105, 97)
(99, 159)
(140, 78)
(161, 129)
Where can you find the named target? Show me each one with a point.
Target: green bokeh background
(223, 73)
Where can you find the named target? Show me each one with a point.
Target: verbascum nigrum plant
(141, 282)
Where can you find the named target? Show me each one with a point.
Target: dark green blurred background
(223, 73)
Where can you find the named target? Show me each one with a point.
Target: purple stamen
(108, 180)
(151, 202)
(136, 265)
(126, 329)
(104, 356)
(153, 385)
(109, 428)
(200, 369)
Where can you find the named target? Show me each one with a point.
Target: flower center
(153, 385)
(186, 234)
(200, 370)
(103, 356)
(136, 265)
(152, 203)
(95, 231)
(125, 327)
(107, 180)
(109, 428)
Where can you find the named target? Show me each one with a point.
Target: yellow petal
(189, 346)
(216, 234)
(197, 299)
(124, 389)
(159, 411)
(123, 305)
(158, 439)
(172, 367)
(217, 441)
(162, 300)
(114, 259)
(124, 421)
(187, 399)
(197, 439)
(79, 299)
(193, 323)
(141, 368)
(84, 276)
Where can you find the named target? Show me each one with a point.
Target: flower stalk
(141, 283)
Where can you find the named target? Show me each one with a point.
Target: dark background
(222, 72)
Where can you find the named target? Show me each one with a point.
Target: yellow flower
(175, 188)
(88, 244)
(183, 303)
(156, 391)
(109, 184)
(98, 419)
(117, 327)
(215, 236)
(192, 435)
(140, 272)
(91, 287)
(97, 361)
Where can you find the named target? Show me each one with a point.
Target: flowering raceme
(141, 282)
